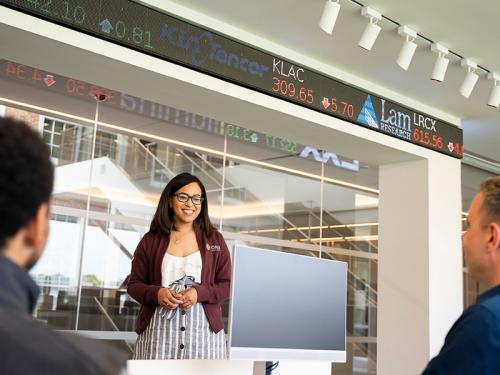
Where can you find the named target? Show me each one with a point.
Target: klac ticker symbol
(325, 102)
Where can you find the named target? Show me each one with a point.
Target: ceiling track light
(470, 79)
(409, 46)
(494, 100)
(441, 64)
(368, 38)
(329, 16)
(372, 29)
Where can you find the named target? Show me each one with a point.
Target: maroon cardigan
(145, 277)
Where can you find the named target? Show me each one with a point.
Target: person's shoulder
(217, 236)
(149, 245)
(476, 320)
(31, 347)
(151, 238)
(476, 311)
(490, 307)
(28, 346)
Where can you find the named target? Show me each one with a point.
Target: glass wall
(263, 190)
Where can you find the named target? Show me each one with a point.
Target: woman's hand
(189, 297)
(169, 299)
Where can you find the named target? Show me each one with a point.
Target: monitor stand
(288, 367)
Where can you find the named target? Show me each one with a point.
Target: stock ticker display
(150, 31)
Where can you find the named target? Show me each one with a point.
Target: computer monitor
(287, 307)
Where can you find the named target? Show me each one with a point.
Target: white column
(420, 261)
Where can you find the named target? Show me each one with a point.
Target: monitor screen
(287, 306)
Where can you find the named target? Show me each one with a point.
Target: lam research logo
(367, 116)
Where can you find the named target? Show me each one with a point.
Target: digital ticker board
(148, 30)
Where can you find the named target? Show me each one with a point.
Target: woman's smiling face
(186, 212)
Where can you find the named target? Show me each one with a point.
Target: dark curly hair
(26, 176)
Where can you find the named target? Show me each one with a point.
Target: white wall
(420, 262)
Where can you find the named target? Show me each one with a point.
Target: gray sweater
(29, 347)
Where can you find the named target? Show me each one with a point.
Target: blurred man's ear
(494, 236)
(37, 233)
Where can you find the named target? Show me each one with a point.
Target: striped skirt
(186, 335)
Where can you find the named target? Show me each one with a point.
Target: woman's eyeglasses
(183, 197)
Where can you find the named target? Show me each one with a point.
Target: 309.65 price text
(290, 90)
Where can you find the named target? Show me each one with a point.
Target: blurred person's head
(183, 201)
(26, 181)
(481, 240)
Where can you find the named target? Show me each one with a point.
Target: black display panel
(139, 27)
(70, 87)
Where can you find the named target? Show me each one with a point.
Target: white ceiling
(470, 29)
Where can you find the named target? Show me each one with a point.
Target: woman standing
(181, 273)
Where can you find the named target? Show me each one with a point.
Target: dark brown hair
(163, 221)
(491, 203)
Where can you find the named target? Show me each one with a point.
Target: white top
(174, 268)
